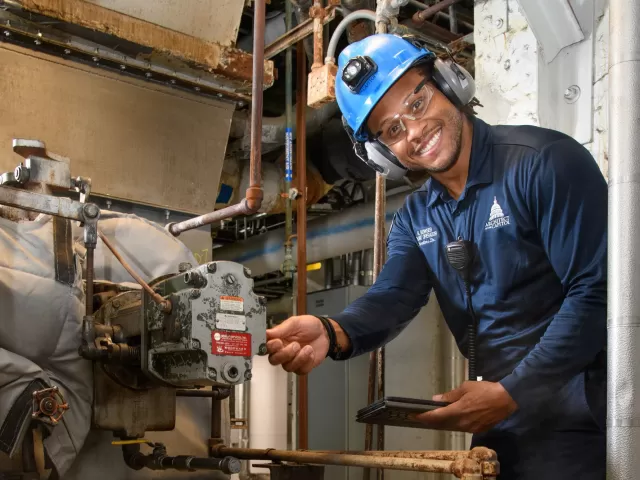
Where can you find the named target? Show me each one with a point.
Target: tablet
(397, 412)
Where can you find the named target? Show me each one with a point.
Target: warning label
(232, 304)
(231, 321)
(229, 343)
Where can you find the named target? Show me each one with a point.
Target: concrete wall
(517, 85)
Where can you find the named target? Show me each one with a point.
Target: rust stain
(229, 62)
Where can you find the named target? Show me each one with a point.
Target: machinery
(199, 327)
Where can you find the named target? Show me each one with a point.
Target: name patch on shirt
(426, 235)
(497, 218)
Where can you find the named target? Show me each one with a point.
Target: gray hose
(342, 26)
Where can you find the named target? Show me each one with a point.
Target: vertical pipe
(257, 93)
(301, 224)
(89, 282)
(318, 41)
(453, 19)
(623, 378)
(288, 173)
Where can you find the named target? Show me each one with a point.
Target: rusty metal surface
(322, 85)
(458, 467)
(47, 204)
(240, 208)
(228, 62)
(301, 230)
(296, 34)
(317, 13)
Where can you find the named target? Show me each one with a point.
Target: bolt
(123, 67)
(247, 375)
(219, 95)
(499, 23)
(230, 279)
(507, 64)
(196, 344)
(195, 293)
(67, 51)
(37, 42)
(95, 59)
(211, 267)
(212, 373)
(7, 33)
(247, 272)
(262, 349)
(109, 203)
(148, 74)
(572, 93)
(184, 266)
(262, 301)
(91, 210)
(116, 304)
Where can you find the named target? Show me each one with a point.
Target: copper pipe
(164, 303)
(254, 194)
(423, 15)
(301, 228)
(458, 467)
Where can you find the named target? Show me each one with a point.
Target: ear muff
(454, 82)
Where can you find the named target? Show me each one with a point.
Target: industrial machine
(199, 327)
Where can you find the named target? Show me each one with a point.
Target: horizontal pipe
(478, 453)
(422, 16)
(240, 208)
(457, 467)
(327, 237)
(216, 393)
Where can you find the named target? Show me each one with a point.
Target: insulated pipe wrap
(623, 395)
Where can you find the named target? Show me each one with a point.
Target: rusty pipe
(89, 282)
(423, 15)
(254, 194)
(479, 454)
(164, 303)
(317, 12)
(458, 467)
(301, 232)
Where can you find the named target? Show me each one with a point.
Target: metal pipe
(164, 303)
(623, 378)
(340, 29)
(89, 281)
(423, 15)
(216, 393)
(301, 224)
(453, 20)
(480, 454)
(318, 30)
(287, 265)
(253, 197)
(216, 421)
(458, 467)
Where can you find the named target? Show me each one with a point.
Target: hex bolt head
(262, 301)
(247, 272)
(248, 375)
(91, 210)
(262, 349)
(184, 266)
(195, 293)
(195, 344)
(211, 267)
(212, 373)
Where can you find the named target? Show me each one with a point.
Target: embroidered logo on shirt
(497, 218)
(426, 235)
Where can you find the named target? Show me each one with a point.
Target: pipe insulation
(623, 389)
(329, 236)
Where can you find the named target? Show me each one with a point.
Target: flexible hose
(342, 26)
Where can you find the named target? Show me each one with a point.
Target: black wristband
(334, 351)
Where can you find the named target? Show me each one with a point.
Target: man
(532, 204)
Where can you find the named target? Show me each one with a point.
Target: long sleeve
(567, 200)
(401, 290)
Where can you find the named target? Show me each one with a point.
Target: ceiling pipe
(253, 197)
(623, 389)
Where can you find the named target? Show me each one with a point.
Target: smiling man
(528, 207)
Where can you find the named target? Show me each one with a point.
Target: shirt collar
(480, 164)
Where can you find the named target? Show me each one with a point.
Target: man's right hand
(299, 344)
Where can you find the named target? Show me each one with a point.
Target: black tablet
(397, 411)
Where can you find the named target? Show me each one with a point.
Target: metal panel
(566, 83)
(553, 23)
(492, 16)
(211, 20)
(149, 145)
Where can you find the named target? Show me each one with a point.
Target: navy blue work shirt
(535, 206)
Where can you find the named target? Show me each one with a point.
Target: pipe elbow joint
(253, 199)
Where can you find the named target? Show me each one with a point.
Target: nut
(247, 375)
(211, 267)
(91, 210)
(262, 349)
(184, 266)
(195, 293)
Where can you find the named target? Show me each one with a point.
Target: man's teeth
(432, 142)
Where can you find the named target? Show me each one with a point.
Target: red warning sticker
(231, 343)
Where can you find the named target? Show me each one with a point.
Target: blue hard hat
(367, 69)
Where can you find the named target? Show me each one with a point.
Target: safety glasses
(415, 105)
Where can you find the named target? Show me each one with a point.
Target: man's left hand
(475, 408)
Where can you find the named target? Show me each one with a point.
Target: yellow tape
(314, 266)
